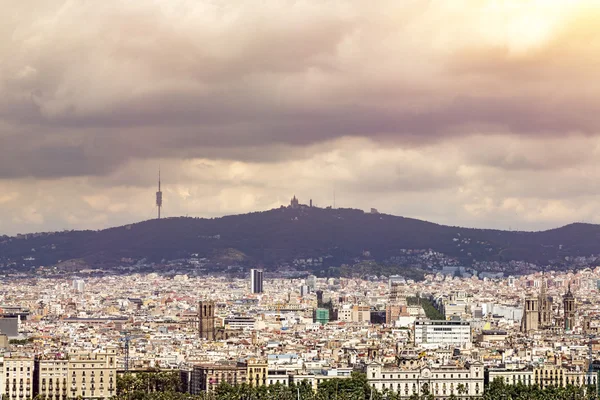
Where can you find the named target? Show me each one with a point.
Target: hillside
(282, 235)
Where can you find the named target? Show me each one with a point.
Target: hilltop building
(295, 204)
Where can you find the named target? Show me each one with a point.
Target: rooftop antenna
(159, 195)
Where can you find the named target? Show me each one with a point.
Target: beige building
(17, 378)
(206, 377)
(51, 376)
(257, 372)
(361, 313)
(543, 375)
(93, 375)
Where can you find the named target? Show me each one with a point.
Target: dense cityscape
(300, 200)
(446, 336)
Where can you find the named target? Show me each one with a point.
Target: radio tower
(159, 196)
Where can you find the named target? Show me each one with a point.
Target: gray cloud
(90, 86)
(495, 109)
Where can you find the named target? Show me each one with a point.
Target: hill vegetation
(324, 237)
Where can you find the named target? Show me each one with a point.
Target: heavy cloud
(493, 105)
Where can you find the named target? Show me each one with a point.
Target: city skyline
(487, 105)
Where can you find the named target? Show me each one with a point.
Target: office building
(442, 333)
(304, 290)
(321, 315)
(256, 281)
(79, 285)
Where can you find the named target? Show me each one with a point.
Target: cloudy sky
(464, 112)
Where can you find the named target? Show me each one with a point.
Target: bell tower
(569, 308)
(206, 320)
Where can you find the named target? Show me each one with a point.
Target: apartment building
(51, 378)
(93, 375)
(18, 378)
(257, 372)
(206, 377)
(543, 375)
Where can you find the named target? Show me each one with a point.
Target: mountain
(285, 234)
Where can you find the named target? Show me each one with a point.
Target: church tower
(569, 309)
(531, 315)
(206, 320)
(545, 306)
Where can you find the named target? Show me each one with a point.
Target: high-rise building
(256, 280)
(206, 320)
(304, 290)
(79, 285)
(319, 297)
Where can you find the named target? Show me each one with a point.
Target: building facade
(51, 378)
(442, 333)
(543, 375)
(18, 378)
(257, 372)
(442, 382)
(92, 375)
(206, 377)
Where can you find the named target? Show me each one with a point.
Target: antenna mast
(159, 195)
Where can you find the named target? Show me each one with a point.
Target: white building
(18, 377)
(345, 313)
(240, 322)
(441, 382)
(442, 333)
(79, 285)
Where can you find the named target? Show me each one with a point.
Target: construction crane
(590, 373)
(126, 339)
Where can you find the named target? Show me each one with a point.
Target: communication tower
(159, 196)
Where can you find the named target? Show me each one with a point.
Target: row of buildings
(59, 377)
